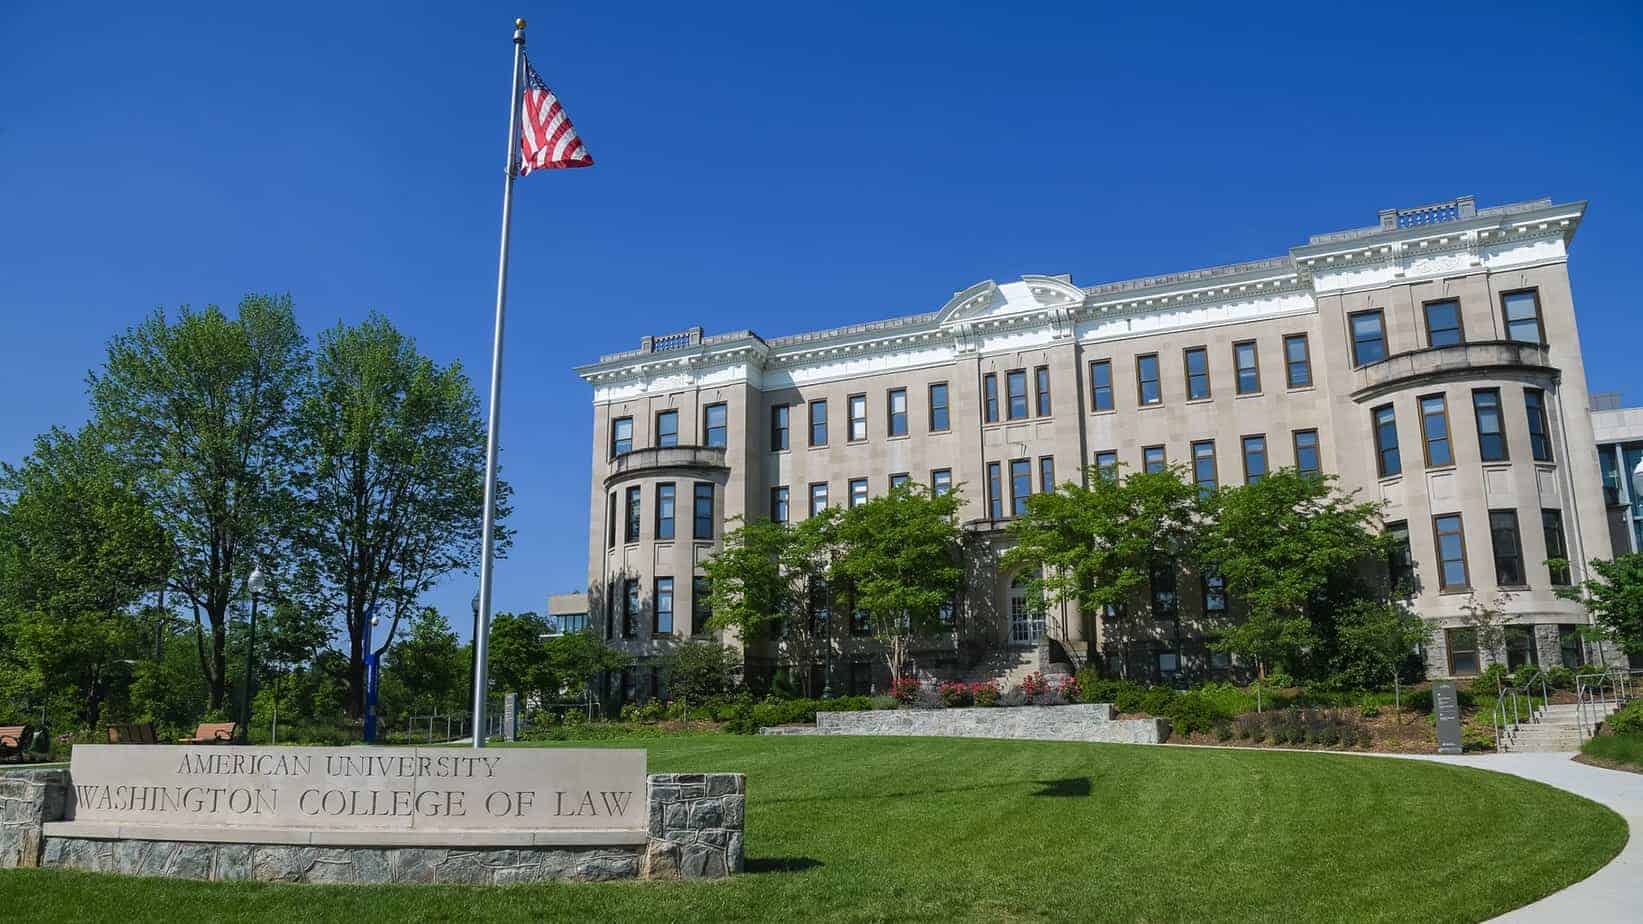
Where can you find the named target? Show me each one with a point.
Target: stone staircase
(1558, 728)
(1005, 666)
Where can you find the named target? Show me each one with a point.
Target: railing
(1518, 702)
(1596, 691)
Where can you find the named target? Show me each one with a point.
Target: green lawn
(869, 829)
(1624, 750)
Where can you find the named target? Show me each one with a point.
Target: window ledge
(1206, 400)
(1249, 394)
(899, 436)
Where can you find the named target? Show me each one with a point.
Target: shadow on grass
(780, 865)
(1072, 787)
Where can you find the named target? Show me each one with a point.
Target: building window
(897, 401)
(1368, 337)
(703, 510)
(1146, 380)
(941, 481)
(664, 511)
(1101, 385)
(995, 491)
(1435, 430)
(1215, 595)
(630, 608)
(1203, 466)
(1041, 390)
(1307, 459)
(632, 533)
(664, 606)
(1015, 387)
(1443, 323)
(1021, 485)
(1508, 545)
(717, 424)
(1520, 648)
(1046, 474)
(1540, 441)
(1161, 583)
(1522, 311)
(1557, 548)
(778, 427)
(1106, 464)
(1570, 651)
(1248, 366)
(1491, 430)
(778, 503)
(818, 422)
(989, 397)
(857, 406)
(1386, 441)
(610, 522)
(1196, 360)
(818, 497)
(858, 491)
(701, 602)
(898, 479)
(938, 407)
(1152, 459)
(1463, 651)
(1400, 560)
(860, 623)
(1297, 361)
(1451, 543)
(667, 429)
(621, 436)
(1254, 458)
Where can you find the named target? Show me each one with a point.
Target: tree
(393, 496)
(1614, 598)
(200, 414)
(1097, 544)
(1374, 639)
(1279, 544)
(699, 670)
(770, 579)
(577, 657)
(79, 547)
(899, 560)
(519, 661)
(430, 663)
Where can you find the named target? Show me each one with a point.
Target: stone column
(29, 799)
(696, 825)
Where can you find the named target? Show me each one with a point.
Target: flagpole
(487, 551)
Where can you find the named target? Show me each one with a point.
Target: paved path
(1613, 893)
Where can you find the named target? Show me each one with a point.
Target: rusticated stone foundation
(28, 799)
(695, 825)
(1091, 722)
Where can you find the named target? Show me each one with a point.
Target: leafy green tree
(1614, 597)
(1280, 544)
(770, 580)
(576, 658)
(392, 496)
(1096, 544)
(519, 660)
(899, 556)
(79, 547)
(1374, 641)
(200, 413)
(430, 663)
(698, 670)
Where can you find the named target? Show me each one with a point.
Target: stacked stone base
(28, 799)
(1091, 722)
(696, 823)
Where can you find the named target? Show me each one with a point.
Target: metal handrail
(1594, 691)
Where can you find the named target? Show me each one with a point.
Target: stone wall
(1090, 722)
(696, 831)
(28, 799)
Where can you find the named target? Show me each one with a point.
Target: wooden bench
(134, 733)
(212, 733)
(14, 740)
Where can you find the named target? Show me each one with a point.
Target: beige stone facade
(1239, 369)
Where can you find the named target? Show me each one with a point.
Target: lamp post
(473, 656)
(255, 583)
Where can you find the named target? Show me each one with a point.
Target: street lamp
(255, 583)
(473, 654)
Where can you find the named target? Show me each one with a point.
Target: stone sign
(1446, 709)
(410, 790)
(510, 717)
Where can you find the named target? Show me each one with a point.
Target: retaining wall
(1087, 722)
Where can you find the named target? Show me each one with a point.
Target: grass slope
(1618, 752)
(871, 829)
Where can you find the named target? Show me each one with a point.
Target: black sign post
(1447, 710)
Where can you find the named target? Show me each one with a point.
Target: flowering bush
(905, 689)
(984, 693)
(1070, 689)
(1034, 684)
(955, 694)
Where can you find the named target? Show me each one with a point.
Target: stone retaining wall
(695, 831)
(1089, 722)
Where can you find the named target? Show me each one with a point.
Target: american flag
(547, 140)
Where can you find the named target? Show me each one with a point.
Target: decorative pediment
(975, 302)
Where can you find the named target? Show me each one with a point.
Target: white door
(1026, 626)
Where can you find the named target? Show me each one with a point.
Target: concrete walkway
(1613, 893)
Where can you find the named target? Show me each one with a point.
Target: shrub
(1013, 698)
(905, 689)
(1370, 711)
(1034, 684)
(1157, 701)
(1629, 720)
(1223, 730)
(1192, 712)
(984, 693)
(1530, 677)
(955, 694)
(882, 701)
(1560, 678)
(1070, 690)
(1278, 680)
(1490, 681)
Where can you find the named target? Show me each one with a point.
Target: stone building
(1430, 360)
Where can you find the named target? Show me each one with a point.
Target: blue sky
(760, 165)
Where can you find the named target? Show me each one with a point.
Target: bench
(134, 733)
(14, 740)
(212, 733)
